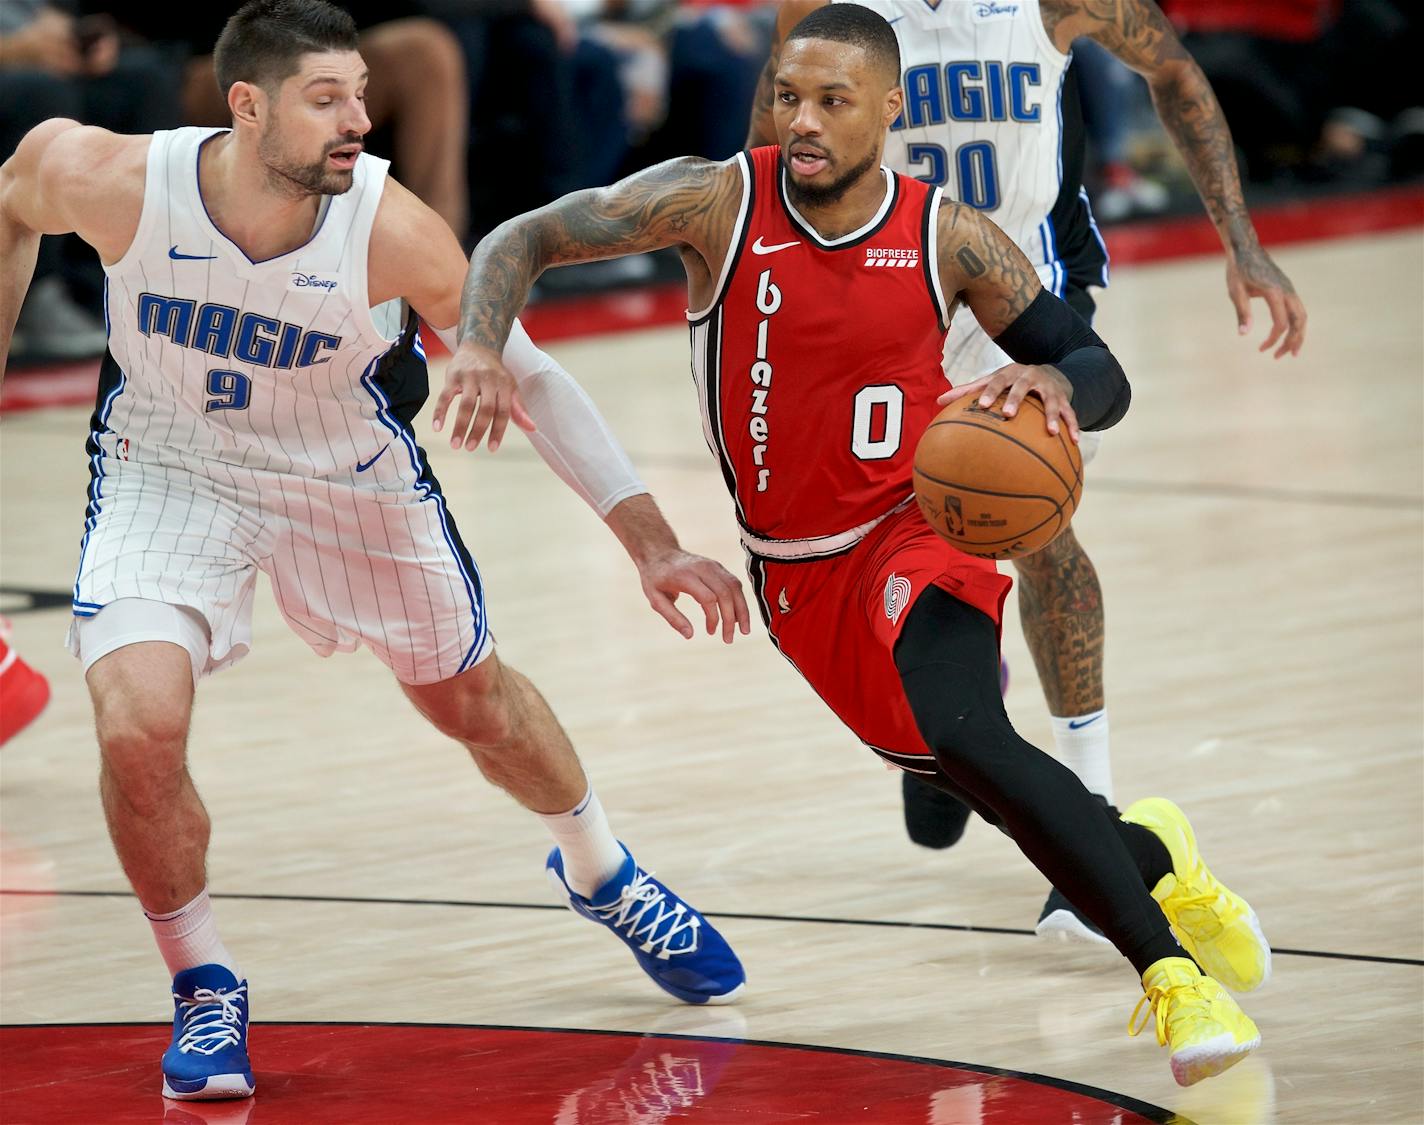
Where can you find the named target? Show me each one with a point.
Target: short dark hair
(263, 40)
(858, 26)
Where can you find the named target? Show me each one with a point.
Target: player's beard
(824, 195)
(291, 178)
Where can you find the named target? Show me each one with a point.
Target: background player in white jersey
(991, 114)
(254, 416)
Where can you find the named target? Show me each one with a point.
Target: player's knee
(144, 757)
(474, 708)
(487, 721)
(970, 736)
(137, 731)
(1051, 558)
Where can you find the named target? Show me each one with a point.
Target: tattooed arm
(790, 12)
(1057, 356)
(1137, 33)
(689, 202)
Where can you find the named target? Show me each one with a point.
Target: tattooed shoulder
(1135, 31)
(980, 265)
(1053, 12)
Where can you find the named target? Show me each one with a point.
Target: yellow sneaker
(1217, 927)
(1197, 1018)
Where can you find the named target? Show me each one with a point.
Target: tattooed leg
(1062, 608)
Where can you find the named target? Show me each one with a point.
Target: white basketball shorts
(349, 565)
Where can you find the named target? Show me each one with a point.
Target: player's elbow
(1101, 394)
(1117, 409)
(1175, 79)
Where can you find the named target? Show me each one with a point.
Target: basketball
(997, 486)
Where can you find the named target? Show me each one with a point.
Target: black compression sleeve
(1050, 332)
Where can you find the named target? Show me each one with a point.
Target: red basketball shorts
(837, 621)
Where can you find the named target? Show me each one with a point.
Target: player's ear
(244, 100)
(894, 103)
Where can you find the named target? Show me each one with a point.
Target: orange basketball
(996, 486)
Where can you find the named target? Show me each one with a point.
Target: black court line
(1121, 1101)
(470, 904)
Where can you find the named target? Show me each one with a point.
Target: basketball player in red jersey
(981, 120)
(823, 285)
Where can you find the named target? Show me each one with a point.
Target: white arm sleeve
(572, 438)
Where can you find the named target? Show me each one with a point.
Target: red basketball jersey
(818, 362)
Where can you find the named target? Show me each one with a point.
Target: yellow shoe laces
(1154, 997)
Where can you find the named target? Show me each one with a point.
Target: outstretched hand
(674, 572)
(1254, 274)
(488, 398)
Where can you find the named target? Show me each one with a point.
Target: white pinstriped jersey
(983, 113)
(254, 417)
(992, 114)
(255, 364)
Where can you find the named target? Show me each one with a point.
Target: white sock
(591, 855)
(1082, 744)
(188, 937)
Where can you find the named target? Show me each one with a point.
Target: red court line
(1157, 240)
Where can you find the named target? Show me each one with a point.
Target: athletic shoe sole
(212, 1088)
(1203, 1060)
(1065, 926)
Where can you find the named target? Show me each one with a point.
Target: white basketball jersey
(216, 358)
(984, 118)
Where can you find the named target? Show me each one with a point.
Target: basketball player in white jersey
(255, 414)
(992, 115)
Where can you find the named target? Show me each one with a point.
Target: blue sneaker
(670, 940)
(208, 1056)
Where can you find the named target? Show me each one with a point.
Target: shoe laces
(1161, 1001)
(1206, 910)
(649, 915)
(212, 1019)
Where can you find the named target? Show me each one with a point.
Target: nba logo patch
(897, 597)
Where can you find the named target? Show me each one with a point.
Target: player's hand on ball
(1017, 380)
(712, 585)
(488, 398)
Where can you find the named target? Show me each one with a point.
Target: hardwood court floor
(1257, 527)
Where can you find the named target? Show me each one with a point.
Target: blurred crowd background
(492, 107)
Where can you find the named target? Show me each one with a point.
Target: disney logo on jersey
(312, 281)
(886, 257)
(991, 11)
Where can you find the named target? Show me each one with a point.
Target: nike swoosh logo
(362, 466)
(897, 19)
(758, 247)
(1074, 724)
(177, 257)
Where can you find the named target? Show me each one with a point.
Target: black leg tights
(948, 657)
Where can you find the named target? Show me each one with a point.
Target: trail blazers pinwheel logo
(897, 597)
